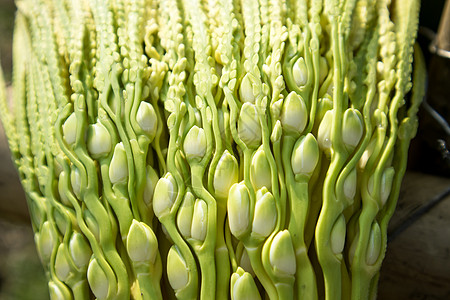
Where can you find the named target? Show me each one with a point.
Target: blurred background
(417, 264)
(21, 274)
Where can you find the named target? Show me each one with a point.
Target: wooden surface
(417, 191)
(417, 263)
(443, 36)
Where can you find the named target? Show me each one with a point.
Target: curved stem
(222, 257)
(206, 251)
(254, 254)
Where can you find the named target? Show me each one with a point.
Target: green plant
(213, 149)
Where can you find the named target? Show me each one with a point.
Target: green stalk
(254, 253)
(231, 252)
(205, 251)
(80, 290)
(190, 290)
(305, 285)
(331, 208)
(222, 258)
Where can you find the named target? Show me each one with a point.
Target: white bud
(79, 250)
(305, 155)
(118, 168)
(62, 266)
(142, 244)
(97, 279)
(226, 174)
(184, 215)
(70, 129)
(324, 134)
(294, 114)
(75, 181)
(352, 128)
(281, 253)
(199, 220)
(243, 286)
(165, 195)
(265, 216)
(195, 144)
(98, 140)
(374, 245)
(249, 128)
(337, 239)
(147, 119)
(246, 90)
(300, 72)
(350, 185)
(177, 270)
(238, 207)
(260, 171)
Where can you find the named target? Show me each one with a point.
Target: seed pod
(195, 144)
(70, 129)
(147, 119)
(277, 132)
(324, 134)
(226, 174)
(337, 238)
(300, 72)
(79, 250)
(305, 155)
(118, 168)
(45, 241)
(323, 69)
(387, 179)
(352, 128)
(324, 104)
(260, 171)
(199, 220)
(62, 190)
(92, 224)
(184, 215)
(62, 265)
(281, 253)
(249, 128)
(142, 244)
(350, 185)
(97, 280)
(75, 180)
(367, 154)
(177, 270)
(165, 195)
(150, 182)
(246, 90)
(98, 140)
(243, 286)
(374, 245)
(294, 114)
(265, 216)
(60, 221)
(238, 208)
(58, 291)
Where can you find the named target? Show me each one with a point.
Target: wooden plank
(443, 35)
(416, 192)
(417, 263)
